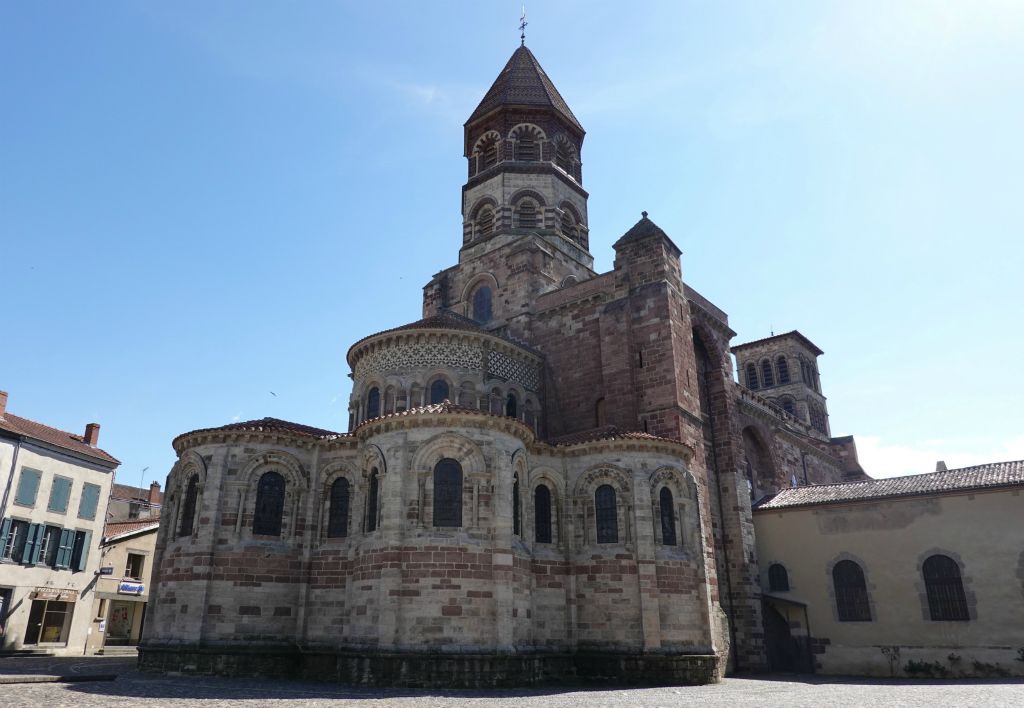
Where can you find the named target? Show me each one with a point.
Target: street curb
(36, 678)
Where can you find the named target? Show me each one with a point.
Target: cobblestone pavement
(145, 690)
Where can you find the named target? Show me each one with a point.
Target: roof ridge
(23, 426)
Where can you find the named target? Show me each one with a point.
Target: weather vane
(522, 27)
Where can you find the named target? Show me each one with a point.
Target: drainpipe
(10, 477)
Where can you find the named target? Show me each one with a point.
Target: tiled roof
(524, 83)
(127, 491)
(444, 406)
(608, 432)
(996, 474)
(60, 438)
(269, 425)
(118, 528)
(794, 333)
(643, 229)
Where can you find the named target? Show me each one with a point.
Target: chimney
(940, 466)
(92, 434)
(3, 403)
(154, 492)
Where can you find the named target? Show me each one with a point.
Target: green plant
(953, 657)
(932, 669)
(984, 668)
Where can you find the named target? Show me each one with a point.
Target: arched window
(568, 226)
(606, 513)
(485, 222)
(527, 144)
(448, 493)
(563, 155)
(482, 305)
(766, 373)
(946, 599)
(542, 514)
(496, 401)
(489, 152)
(783, 366)
(517, 522)
(668, 518)
(778, 578)
(438, 391)
(751, 377)
(188, 509)
(269, 512)
(817, 417)
(511, 405)
(527, 215)
(337, 520)
(372, 493)
(851, 592)
(373, 403)
(789, 406)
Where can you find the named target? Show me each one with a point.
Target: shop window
(48, 622)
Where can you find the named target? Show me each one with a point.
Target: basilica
(549, 477)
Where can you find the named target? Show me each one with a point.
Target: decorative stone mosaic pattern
(420, 355)
(502, 366)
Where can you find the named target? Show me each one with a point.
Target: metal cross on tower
(522, 27)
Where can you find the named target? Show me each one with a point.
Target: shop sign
(130, 587)
(54, 594)
(67, 595)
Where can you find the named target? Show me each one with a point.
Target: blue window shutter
(60, 492)
(28, 487)
(84, 555)
(30, 556)
(5, 528)
(90, 500)
(67, 540)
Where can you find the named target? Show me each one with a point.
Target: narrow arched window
(373, 403)
(783, 366)
(482, 305)
(490, 153)
(526, 214)
(947, 601)
(563, 156)
(789, 406)
(606, 515)
(372, 494)
(668, 518)
(448, 493)
(337, 520)
(511, 405)
(527, 146)
(766, 374)
(778, 578)
(485, 222)
(188, 509)
(751, 377)
(517, 522)
(851, 592)
(269, 511)
(568, 226)
(542, 514)
(439, 391)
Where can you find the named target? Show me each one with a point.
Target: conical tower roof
(523, 83)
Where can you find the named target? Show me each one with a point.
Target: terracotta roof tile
(269, 425)
(127, 491)
(996, 474)
(608, 432)
(59, 438)
(117, 528)
(642, 229)
(794, 333)
(524, 83)
(444, 406)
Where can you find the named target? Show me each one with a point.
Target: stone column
(647, 573)
(502, 556)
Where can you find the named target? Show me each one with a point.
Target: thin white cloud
(880, 458)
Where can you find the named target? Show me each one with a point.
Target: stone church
(547, 477)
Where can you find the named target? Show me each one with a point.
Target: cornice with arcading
(446, 419)
(188, 441)
(387, 340)
(641, 445)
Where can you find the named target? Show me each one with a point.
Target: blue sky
(201, 203)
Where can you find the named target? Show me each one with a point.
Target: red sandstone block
(451, 611)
